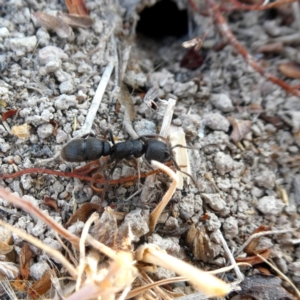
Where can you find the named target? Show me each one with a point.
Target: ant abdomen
(79, 150)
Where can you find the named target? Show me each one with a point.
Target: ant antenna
(178, 168)
(181, 146)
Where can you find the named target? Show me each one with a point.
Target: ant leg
(111, 136)
(105, 188)
(187, 174)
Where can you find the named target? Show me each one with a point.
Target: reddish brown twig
(227, 33)
(79, 176)
(242, 6)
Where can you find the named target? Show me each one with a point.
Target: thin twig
(87, 126)
(39, 244)
(241, 6)
(259, 234)
(83, 237)
(238, 273)
(227, 33)
(281, 275)
(36, 212)
(205, 282)
(165, 126)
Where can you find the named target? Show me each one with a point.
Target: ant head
(157, 150)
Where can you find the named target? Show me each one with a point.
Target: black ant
(84, 149)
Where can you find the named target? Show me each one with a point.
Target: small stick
(259, 234)
(81, 266)
(227, 33)
(36, 212)
(87, 126)
(241, 6)
(281, 275)
(39, 244)
(167, 118)
(238, 273)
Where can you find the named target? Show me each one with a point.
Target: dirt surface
(245, 130)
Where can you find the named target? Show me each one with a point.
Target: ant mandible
(85, 149)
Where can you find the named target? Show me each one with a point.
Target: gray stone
(224, 163)
(266, 179)
(50, 53)
(144, 127)
(216, 121)
(212, 223)
(269, 205)
(38, 269)
(66, 87)
(61, 136)
(45, 130)
(230, 227)
(222, 102)
(65, 101)
(23, 45)
(214, 201)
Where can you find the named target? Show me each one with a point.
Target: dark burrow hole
(162, 20)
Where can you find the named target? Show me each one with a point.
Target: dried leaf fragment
(83, 213)
(254, 260)
(76, 21)
(253, 244)
(290, 70)
(9, 114)
(21, 131)
(77, 7)
(271, 48)
(56, 24)
(51, 203)
(240, 128)
(25, 257)
(5, 248)
(40, 287)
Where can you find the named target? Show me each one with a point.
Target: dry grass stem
(83, 237)
(238, 272)
(205, 282)
(168, 195)
(281, 275)
(89, 120)
(101, 247)
(257, 235)
(36, 212)
(36, 242)
(177, 137)
(165, 126)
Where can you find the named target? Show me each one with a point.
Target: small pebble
(231, 228)
(269, 205)
(45, 130)
(214, 201)
(224, 163)
(266, 179)
(50, 53)
(222, 102)
(23, 45)
(65, 101)
(37, 270)
(216, 121)
(66, 87)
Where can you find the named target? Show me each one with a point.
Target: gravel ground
(241, 185)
